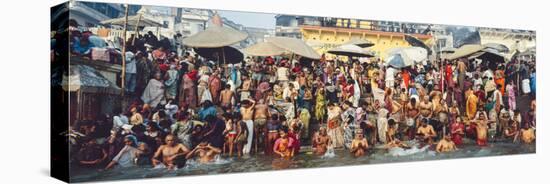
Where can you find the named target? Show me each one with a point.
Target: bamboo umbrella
(215, 36)
(295, 46)
(264, 49)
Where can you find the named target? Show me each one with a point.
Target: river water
(260, 162)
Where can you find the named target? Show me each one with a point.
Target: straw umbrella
(232, 54)
(264, 49)
(295, 46)
(135, 20)
(215, 36)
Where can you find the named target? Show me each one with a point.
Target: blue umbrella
(397, 61)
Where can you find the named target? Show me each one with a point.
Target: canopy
(448, 50)
(360, 43)
(133, 21)
(215, 36)
(295, 46)
(413, 41)
(263, 49)
(466, 50)
(497, 46)
(411, 55)
(529, 52)
(397, 61)
(87, 79)
(232, 55)
(350, 50)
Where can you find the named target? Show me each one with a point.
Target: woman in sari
(187, 93)
(471, 104)
(284, 145)
(320, 105)
(335, 131)
(457, 131)
(171, 82)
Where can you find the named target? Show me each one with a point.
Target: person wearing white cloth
(247, 112)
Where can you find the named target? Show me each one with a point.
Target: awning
(87, 79)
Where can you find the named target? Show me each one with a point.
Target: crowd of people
(186, 107)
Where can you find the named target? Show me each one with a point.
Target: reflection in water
(303, 160)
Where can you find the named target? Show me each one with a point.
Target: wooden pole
(223, 56)
(124, 51)
(137, 29)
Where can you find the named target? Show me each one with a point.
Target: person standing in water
(457, 131)
(359, 145)
(261, 115)
(204, 152)
(481, 127)
(445, 145)
(284, 146)
(426, 132)
(173, 154)
(321, 141)
(247, 113)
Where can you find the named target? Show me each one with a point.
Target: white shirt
(390, 72)
(126, 156)
(282, 73)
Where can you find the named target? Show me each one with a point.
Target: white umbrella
(350, 50)
(412, 55)
(295, 46)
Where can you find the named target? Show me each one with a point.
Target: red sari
(295, 140)
(214, 85)
(457, 137)
(406, 78)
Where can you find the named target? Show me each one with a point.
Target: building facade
(90, 14)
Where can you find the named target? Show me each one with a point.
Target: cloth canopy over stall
(86, 79)
(350, 50)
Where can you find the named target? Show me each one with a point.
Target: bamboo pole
(223, 56)
(123, 76)
(137, 29)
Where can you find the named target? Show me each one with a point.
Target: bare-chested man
(527, 135)
(481, 124)
(359, 145)
(172, 154)
(227, 97)
(261, 115)
(245, 88)
(512, 132)
(412, 113)
(205, 152)
(445, 145)
(247, 112)
(425, 132)
(321, 141)
(426, 108)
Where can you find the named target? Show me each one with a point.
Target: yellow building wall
(327, 40)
